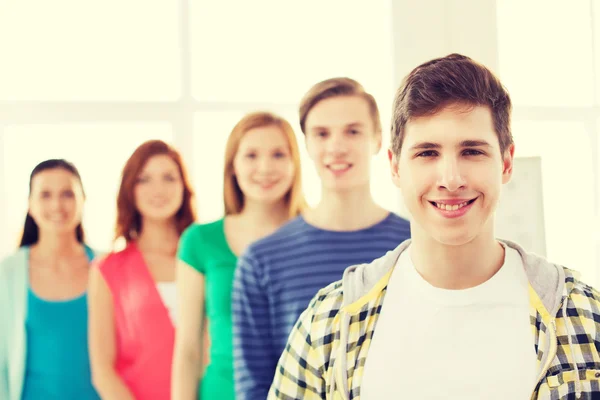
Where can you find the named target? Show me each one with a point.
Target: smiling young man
(453, 313)
(279, 275)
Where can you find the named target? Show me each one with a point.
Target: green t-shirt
(204, 248)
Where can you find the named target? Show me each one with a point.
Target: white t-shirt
(168, 294)
(433, 343)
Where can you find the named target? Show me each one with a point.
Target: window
(68, 50)
(545, 52)
(273, 51)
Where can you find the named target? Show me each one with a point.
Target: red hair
(129, 221)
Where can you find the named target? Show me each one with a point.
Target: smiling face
(158, 190)
(56, 201)
(450, 171)
(263, 165)
(341, 140)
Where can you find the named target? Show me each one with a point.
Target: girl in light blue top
(43, 304)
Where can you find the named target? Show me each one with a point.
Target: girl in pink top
(132, 295)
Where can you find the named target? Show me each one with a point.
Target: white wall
(186, 70)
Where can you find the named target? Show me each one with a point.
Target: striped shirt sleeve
(254, 358)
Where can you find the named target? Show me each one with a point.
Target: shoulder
(583, 306)
(13, 273)
(290, 232)
(277, 246)
(193, 230)
(323, 311)
(395, 219)
(15, 261)
(329, 300)
(395, 225)
(198, 241)
(584, 296)
(111, 261)
(392, 227)
(319, 322)
(197, 231)
(17, 257)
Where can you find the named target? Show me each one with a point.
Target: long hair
(31, 231)
(232, 193)
(129, 220)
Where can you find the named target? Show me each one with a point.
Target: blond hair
(337, 87)
(232, 194)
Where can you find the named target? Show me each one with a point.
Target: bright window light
(69, 50)
(273, 51)
(545, 52)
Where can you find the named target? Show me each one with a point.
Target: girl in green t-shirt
(262, 191)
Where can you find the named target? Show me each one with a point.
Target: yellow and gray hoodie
(326, 351)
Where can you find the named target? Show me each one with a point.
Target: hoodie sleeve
(302, 369)
(254, 357)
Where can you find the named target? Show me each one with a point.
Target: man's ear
(507, 163)
(379, 140)
(394, 167)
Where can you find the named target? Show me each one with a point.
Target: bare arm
(188, 356)
(102, 346)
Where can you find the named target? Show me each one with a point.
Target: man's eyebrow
(425, 146)
(474, 143)
(464, 143)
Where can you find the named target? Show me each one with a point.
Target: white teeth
(338, 167)
(449, 207)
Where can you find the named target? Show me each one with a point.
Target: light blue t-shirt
(57, 362)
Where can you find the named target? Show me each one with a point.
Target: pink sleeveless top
(144, 332)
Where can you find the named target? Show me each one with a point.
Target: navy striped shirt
(276, 279)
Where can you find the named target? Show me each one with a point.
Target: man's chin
(457, 238)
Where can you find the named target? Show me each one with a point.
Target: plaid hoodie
(326, 351)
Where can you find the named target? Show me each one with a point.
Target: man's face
(450, 172)
(341, 141)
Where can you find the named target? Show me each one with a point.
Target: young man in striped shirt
(278, 275)
(453, 313)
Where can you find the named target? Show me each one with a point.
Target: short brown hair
(454, 79)
(129, 221)
(337, 87)
(232, 193)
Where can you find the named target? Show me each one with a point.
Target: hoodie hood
(329, 346)
(547, 279)
(362, 282)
